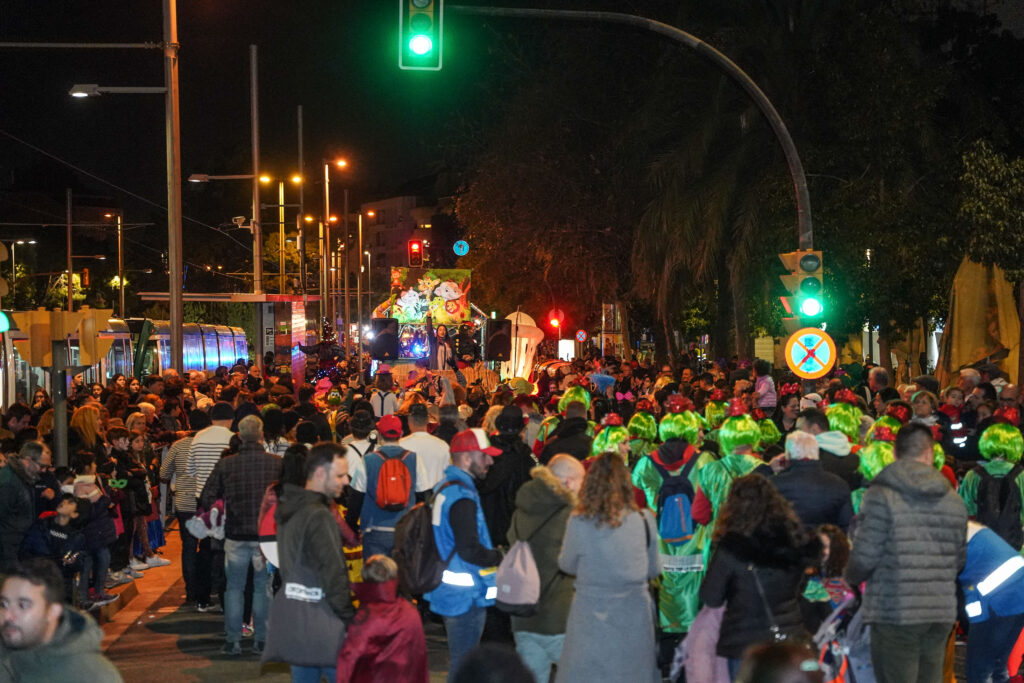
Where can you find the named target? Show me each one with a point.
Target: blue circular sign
(461, 248)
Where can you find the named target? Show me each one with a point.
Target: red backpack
(394, 483)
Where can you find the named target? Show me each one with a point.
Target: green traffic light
(420, 44)
(5, 322)
(811, 307)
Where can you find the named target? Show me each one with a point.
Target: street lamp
(92, 90)
(369, 282)
(14, 270)
(282, 274)
(327, 303)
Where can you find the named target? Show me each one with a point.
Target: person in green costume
(876, 456)
(714, 413)
(643, 431)
(738, 437)
(1001, 446)
(573, 393)
(612, 437)
(682, 563)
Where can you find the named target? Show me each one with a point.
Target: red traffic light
(554, 322)
(415, 253)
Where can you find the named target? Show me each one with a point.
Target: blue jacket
(371, 516)
(992, 578)
(463, 585)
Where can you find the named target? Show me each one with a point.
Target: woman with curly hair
(611, 547)
(757, 569)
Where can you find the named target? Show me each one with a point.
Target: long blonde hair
(490, 421)
(607, 492)
(86, 421)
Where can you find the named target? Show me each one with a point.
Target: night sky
(336, 58)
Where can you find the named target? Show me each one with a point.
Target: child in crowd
(385, 641)
(55, 536)
(98, 530)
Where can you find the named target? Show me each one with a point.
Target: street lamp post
(359, 295)
(14, 269)
(369, 283)
(326, 298)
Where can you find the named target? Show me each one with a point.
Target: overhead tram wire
(113, 185)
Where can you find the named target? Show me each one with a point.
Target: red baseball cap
(390, 426)
(473, 440)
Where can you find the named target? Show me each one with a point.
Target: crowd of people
(700, 521)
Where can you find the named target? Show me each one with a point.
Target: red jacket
(385, 641)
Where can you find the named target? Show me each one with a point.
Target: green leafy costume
(682, 565)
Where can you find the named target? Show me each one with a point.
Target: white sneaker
(134, 573)
(137, 565)
(156, 561)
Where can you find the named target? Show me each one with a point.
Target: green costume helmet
(1001, 441)
(643, 426)
(845, 418)
(685, 425)
(741, 430)
(887, 422)
(608, 440)
(714, 413)
(574, 393)
(770, 433)
(874, 458)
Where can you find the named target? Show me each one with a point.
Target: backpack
(419, 565)
(999, 504)
(394, 483)
(675, 523)
(518, 579)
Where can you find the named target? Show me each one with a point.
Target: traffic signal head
(804, 284)
(420, 25)
(415, 254)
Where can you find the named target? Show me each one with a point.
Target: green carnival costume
(643, 430)
(573, 393)
(715, 478)
(1001, 446)
(875, 456)
(682, 565)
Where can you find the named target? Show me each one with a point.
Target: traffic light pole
(796, 169)
(59, 393)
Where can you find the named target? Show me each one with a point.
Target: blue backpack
(675, 522)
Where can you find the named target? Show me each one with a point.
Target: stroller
(844, 645)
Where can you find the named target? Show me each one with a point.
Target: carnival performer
(738, 437)
(672, 468)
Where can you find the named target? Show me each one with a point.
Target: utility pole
(257, 228)
(173, 132)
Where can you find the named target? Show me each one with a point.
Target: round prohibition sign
(581, 336)
(810, 353)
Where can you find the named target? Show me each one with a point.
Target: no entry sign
(810, 353)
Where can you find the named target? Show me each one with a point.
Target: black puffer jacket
(730, 581)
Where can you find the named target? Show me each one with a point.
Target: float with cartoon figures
(443, 293)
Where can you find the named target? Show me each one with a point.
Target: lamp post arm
(796, 169)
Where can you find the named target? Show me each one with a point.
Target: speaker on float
(384, 345)
(499, 340)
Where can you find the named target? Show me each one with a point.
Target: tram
(139, 347)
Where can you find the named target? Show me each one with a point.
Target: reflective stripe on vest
(492, 593)
(973, 609)
(1001, 574)
(457, 578)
